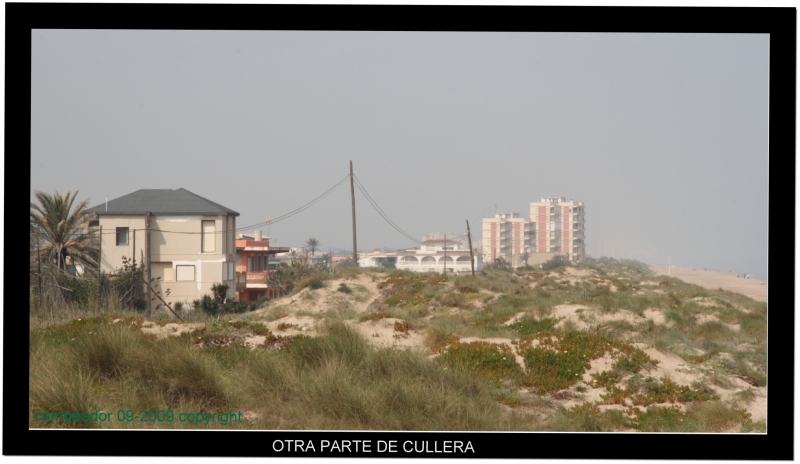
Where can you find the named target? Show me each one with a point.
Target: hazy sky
(663, 136)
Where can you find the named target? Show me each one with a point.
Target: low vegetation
(557, 348)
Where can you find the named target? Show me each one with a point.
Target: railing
(245, 278)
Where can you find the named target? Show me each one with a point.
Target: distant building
(560, 227)
(376, 258)
(317, 258)
(507, 235)
(253, 266)
(555, 227)
(434, 255)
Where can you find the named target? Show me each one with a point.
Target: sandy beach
(753, 288)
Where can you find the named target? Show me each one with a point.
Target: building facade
(560, 227)
(376, 258)
(191, 247)
(555, 227)
(436, 255)
(507, 235)
(253, 266)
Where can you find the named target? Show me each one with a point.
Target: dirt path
(753, 288)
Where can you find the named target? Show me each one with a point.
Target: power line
(298, 210)
(382, 214)
(238, 229)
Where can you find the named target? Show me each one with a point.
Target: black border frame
(780, 23)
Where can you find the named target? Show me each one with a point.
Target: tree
(326, 260)
(56, 227)
(524, 256)
(312, 243)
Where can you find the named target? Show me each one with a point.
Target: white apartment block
(555, 226)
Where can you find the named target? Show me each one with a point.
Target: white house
(377, 258)
(434, 255)
(192, 242)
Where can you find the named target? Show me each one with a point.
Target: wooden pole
(353, 201)
(133, 271)
(146, 263)
(471, 255)
(99, 263)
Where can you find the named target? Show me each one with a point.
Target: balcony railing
(243, 279)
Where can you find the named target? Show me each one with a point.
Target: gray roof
(163, 202)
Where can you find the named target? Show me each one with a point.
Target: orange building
(252, 267)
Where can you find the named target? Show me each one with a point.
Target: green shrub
(221, 303)
(316, 284)
(344, 288)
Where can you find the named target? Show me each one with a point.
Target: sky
(664, 137)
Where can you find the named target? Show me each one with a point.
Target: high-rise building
(560, 227)
(507, 235)
(555, 226)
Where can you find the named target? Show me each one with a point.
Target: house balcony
(253, 280)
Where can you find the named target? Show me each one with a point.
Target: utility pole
(669, 265)
(133, 255)
(353, 201)
(471, 256)
(146, 262)
(445, 255)
(100, 263)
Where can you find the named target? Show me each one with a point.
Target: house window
(122, 235)
(184, 273)
(250, 267)
(208, 236)
(162, 271)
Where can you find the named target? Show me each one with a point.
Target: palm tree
(56, 227)
(312, 243)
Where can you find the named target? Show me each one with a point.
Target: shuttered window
(208, 236)
(184, 273)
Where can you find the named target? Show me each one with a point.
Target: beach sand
(753, 288)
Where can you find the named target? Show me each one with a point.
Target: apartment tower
(560, 227)
(555, 226)
(507, 235)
